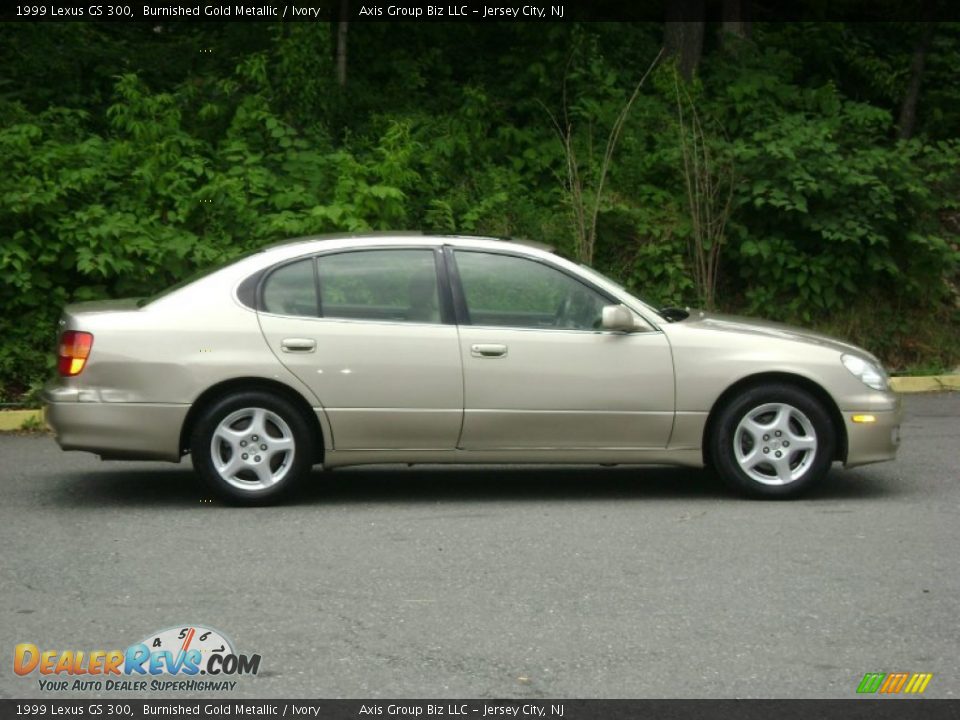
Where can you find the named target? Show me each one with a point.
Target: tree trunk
(908, 111)
(683, 34)
(342, 27)
(735, 20)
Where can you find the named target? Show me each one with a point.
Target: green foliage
(33, 424)
(830, 207)
(131, 159)
(85, 215)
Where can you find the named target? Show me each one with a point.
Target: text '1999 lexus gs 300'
(404, 348)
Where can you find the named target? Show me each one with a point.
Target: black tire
(260, 476)
(756, 474)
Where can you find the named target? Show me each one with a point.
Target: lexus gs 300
(404, 348)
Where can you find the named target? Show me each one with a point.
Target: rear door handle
(298, 345)
(488, 350)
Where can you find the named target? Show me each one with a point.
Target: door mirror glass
(618, 318)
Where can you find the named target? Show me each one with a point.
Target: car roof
(336, 240)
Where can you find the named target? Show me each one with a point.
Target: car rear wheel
(773, 441)
(251, 447)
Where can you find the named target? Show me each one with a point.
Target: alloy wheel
(775, 444)
(252, 449)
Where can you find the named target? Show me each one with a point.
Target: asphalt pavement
(489, 582)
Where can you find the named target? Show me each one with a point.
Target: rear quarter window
(292, 290)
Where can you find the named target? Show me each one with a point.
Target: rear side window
(291, 290)
(386, 285)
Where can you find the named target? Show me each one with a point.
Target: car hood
(716, 322)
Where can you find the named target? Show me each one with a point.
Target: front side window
(509, 291)
(387, 285)
(291, 290)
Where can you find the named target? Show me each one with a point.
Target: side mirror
(674, 314)
(619, 319)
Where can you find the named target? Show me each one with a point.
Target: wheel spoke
(262, 469)
(752, 458)
(782, 466)
(232, 466)
(281, 444)
(755, 429)
(782, 420)
(802, 442)
(229, 435)
(258, 424)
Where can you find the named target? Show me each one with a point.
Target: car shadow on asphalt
(431, 484)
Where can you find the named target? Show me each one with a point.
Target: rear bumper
(118, 431)
(876, 441)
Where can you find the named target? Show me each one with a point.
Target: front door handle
(298, 345)
(488, 350)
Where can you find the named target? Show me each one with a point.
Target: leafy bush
(155, 160)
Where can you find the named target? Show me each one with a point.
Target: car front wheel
(251, 447)
(773, 441)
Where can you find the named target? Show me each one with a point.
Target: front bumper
(117, 431)
(876, 441)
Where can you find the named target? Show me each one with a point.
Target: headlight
(870, 374)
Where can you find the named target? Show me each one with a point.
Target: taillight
(74, 351)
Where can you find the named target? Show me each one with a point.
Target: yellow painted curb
(14, 419)
(929, 383)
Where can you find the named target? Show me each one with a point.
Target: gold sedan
(404, 348)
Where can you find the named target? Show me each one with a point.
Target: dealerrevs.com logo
(169, 660)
